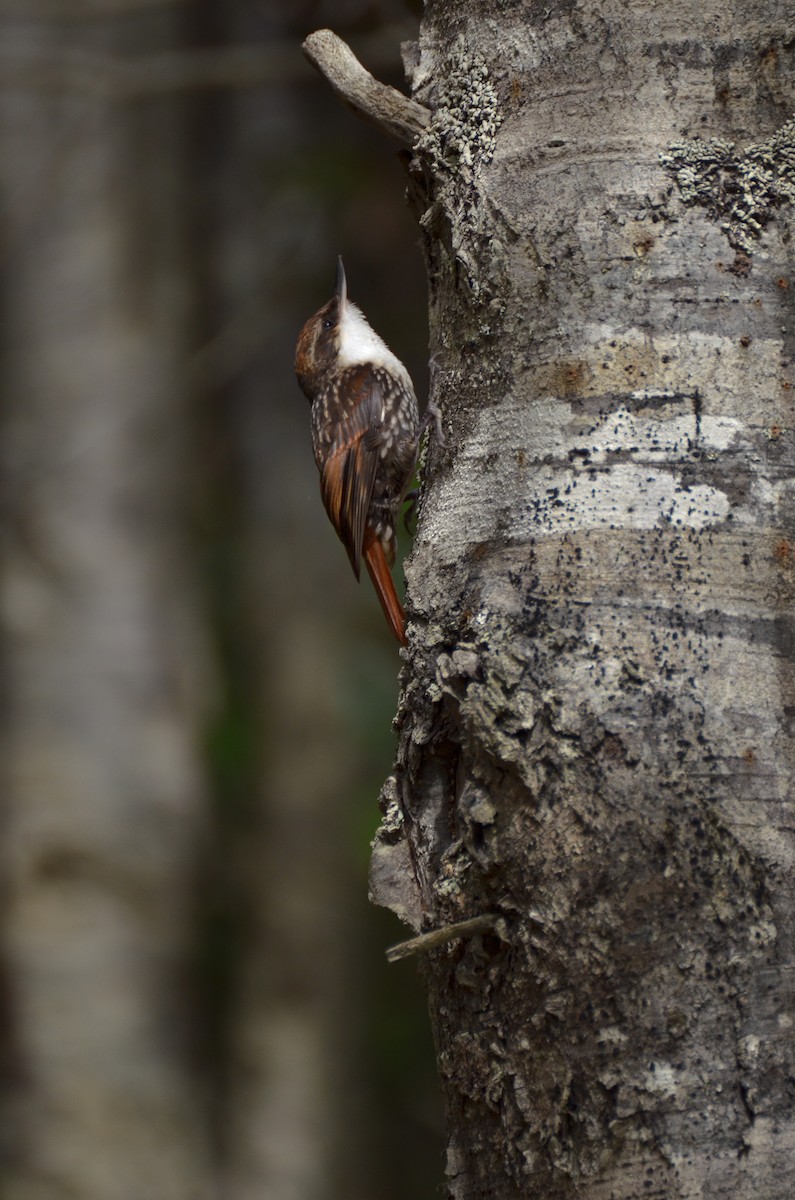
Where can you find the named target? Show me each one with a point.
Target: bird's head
(338, 336)
(317, 350)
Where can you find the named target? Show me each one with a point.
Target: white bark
(596, 734)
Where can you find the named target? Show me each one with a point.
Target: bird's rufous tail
(379, 572)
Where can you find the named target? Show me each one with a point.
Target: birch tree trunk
(595, 733)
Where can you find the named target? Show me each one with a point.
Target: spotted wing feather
(347, 445)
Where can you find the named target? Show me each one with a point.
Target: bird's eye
(328, 323)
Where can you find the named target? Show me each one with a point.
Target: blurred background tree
(197, 696)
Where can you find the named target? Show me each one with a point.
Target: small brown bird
(365, 434)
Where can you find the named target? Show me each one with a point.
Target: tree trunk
(596, 736)
(104, 656)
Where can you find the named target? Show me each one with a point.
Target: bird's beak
(341, 290)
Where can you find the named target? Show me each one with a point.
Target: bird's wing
(349, 460)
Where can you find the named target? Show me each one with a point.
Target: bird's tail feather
(379, 572)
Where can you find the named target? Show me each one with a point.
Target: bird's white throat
(358, 343)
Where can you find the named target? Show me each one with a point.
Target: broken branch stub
(397, 115)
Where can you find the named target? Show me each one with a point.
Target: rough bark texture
(596, 735)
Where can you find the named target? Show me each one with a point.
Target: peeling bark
(595, 730)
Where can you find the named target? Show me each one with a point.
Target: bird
(365, 436)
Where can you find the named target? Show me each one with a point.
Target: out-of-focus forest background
(196, 696)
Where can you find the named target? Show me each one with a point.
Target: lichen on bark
(452, 156)
(592, 734)
(743, 190)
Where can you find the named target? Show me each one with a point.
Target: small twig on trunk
(397, 115)
(439, 937)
